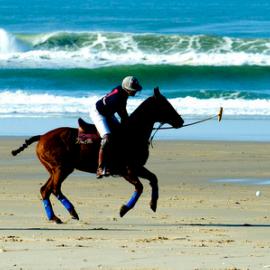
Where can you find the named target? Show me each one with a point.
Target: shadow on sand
(60, 228)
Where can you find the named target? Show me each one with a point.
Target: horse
(59, 153)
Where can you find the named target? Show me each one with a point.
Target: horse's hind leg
(46, 191)
(134, 180)
(144, 173)
(59, 175)
(53, 185)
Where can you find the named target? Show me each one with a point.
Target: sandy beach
(202, 221)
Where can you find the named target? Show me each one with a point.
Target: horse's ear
(156, 92)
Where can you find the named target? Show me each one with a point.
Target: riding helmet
(131, 83)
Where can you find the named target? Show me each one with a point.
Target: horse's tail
(25, 145)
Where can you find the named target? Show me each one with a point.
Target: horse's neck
(141, 123)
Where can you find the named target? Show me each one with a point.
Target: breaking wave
(99, 49)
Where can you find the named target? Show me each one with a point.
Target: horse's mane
(142, 110)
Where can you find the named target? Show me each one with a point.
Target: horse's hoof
(75, 217)
(123, 210)
(153, 206)
(56, 220)
(74, 214)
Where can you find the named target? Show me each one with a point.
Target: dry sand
(199, 224)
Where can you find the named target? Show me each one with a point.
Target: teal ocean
(58, 57)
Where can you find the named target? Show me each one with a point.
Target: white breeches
(101, 122)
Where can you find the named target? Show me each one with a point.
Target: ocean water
(58, 57)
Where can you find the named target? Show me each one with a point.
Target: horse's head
(165, 112)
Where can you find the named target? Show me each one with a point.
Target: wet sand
(199, 223)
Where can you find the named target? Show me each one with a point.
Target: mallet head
(220, 114)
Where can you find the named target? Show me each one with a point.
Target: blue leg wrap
(66, 203)
(48, 208)
(133, 199)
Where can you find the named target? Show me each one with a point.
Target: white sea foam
(87, 59)
(232, 107)
(7, 43)
(21, 103)
(94, 49)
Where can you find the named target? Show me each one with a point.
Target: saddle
(87, 133)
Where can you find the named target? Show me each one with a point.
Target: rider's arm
(123, 115)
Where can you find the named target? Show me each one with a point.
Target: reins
(156, 130)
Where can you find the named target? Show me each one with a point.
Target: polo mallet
(219, 117)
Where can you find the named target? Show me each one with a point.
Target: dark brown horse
(60, 154)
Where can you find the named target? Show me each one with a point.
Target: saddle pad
(84, 138)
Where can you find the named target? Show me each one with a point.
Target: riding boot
(100, 169)
(103, 169)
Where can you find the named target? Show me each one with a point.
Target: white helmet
(131, 83)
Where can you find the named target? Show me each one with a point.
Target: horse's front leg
(145, 173)
(134, 180)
